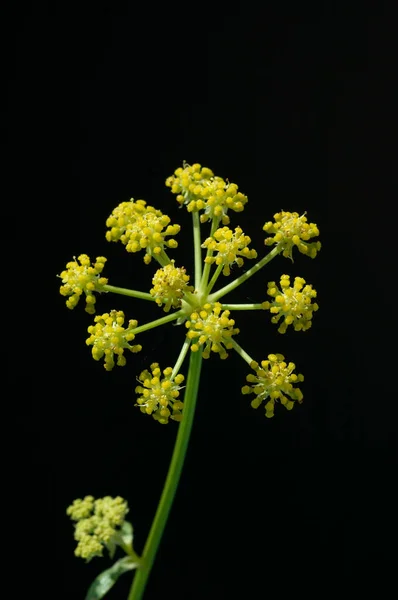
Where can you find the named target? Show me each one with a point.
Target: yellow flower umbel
(273, 382)
(159, 395)
(169, 286)
(140, 227)
(83, 278)
(98, 522)
(292, 303)
(211, 328)
(290, 230)
(199, 189)
(230, 247)
(108, 337)
(191, 184)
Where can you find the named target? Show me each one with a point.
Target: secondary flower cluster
(139, 227)
(158, 396)
(199, 189)
(108, 337)
(273, 382)
(97, 523)
(291, 230)
(169, 286)
(291, 302)
(83, 278)
(230, 246)
(212, 328)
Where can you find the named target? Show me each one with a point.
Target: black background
(297, 108)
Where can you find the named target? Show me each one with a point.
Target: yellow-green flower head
(273, 382)
(83, 277)
(108, 337)
(290, 230)
(199, 189)
(222, 196)
(191, 184)
(159, 396)
(294, 303)
(230, 247)
(169, 285)
(97, 522)
(140, 227)
(211, 328)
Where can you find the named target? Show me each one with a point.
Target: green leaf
(126, 533)
(107, 579)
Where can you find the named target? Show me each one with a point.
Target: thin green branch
(214, 278)
(242, 307)
(181, 357)
(197, 248)
(241, 352)
(157, 322)
(172, 479)
(162, 258)
(126, 292)
(206, 270)
(234, 284)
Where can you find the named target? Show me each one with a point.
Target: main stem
(172, 479)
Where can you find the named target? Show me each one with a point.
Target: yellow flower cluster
(230, 246)
(140, 227)
(211, 328)
(159, 395)
(290, 230)
(97, 522)
(292, 303)
(169, 285)
(199, 189)
(83, 277)
(273, 382)
(191, 184)
(108, 337)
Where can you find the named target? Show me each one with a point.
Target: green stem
(157, 322)
(127, 292)
(172, 479)
(234, 284)
(242, 307)
(197, 248)
(242, 352)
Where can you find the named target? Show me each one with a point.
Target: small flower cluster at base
(291, 230)
(140, 227)
(199, 189)
(211, 328)
(83, 277)
(230, 247)
(97, 522)
(292, 303)
(273, 382)
(169, 285)
(108, 337)
(159, 395)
